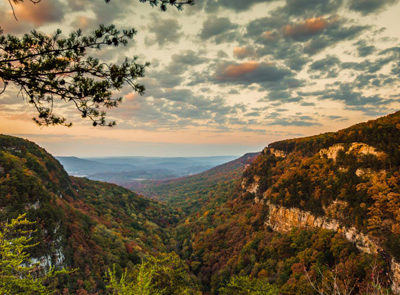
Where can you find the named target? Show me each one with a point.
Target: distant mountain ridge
(84, 167)
(122, 169)
(187, 193)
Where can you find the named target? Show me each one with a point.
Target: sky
(226, 76)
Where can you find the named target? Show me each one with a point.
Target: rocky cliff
(347, 182)
(357, 161)
(283, 219)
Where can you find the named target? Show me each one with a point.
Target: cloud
(307, 104)
(306, 28)
(31, 16)
(351, 97)
(236, 5)
(11, 26)
(369, 6)
(243, 52)
(104, 13)
(218, 28)
(373, 66)
(165, 31)
(296, 42)
(364, 49)
(337, 118)
(222, 54)
(269, 35)
(177, 108)
(189, 57)
(298, 120)
(328, 67)
(183, 61)
(336, 33)
(172, 75)
(281, 96)
(42, 13)
(235, 71)
(166, 79)
(131, 96)
(309, 8)
(256, 28)
(82, 22)
(250, 72)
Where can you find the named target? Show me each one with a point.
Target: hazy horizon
(105, 148)
(152, 157)
(226, 77)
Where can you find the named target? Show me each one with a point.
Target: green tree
(18, 275)
(163, 275)
(53, 69)
(244, 285)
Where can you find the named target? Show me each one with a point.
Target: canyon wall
(283, 219)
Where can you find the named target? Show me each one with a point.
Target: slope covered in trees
(319, 207)
(82, 224)
(207, 189)
(306, 216)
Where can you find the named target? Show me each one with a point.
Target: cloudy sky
(226, 76)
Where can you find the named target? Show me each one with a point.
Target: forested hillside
(193, 193)
(82, 224)
(314, 215)
(323, 206)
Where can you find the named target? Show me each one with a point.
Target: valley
(200, 147)
(119, 170)
(299, 212)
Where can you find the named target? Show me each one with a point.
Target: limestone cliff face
(275, 152)
(364, 149)
(55, 255)
(253, 187)
(395, 268)
(283, 219)
(332, 152)
(357, 148)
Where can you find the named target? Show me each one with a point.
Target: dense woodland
(193, 193)
(209, 234)
(95, 225)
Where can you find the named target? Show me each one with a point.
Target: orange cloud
(131, 96)
(243, 52)
(308, 27)
(269, 35)
(10, 26)
(234, 71)
(81, 22)
(41, 13)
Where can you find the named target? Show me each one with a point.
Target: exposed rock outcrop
(277, 153)
(283, 219)
(358, 148)
(395, 268)
(253, 187)
(332, 152)
(364, 149)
